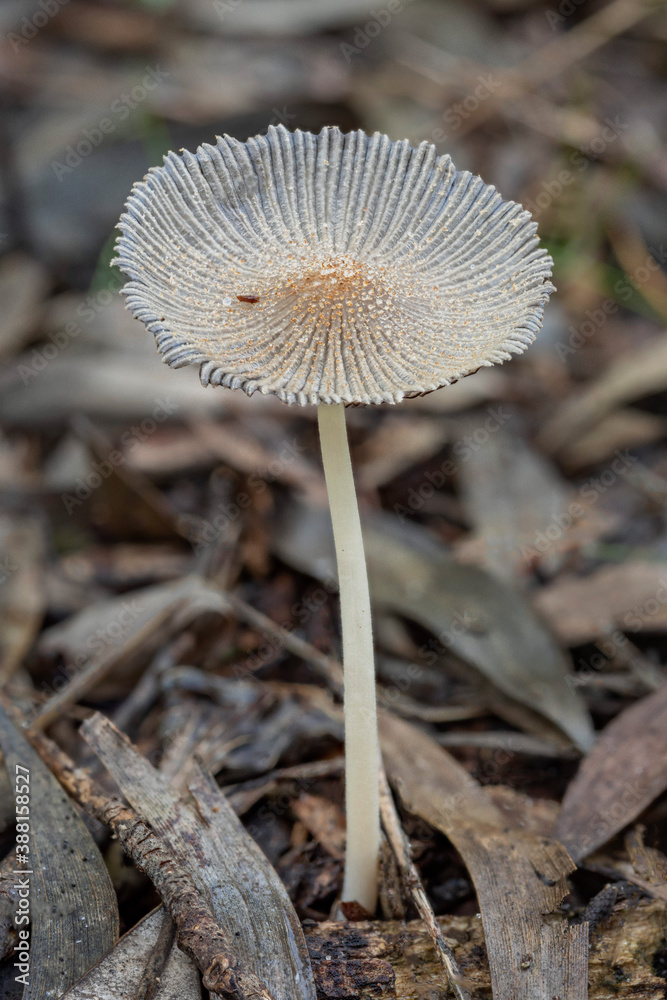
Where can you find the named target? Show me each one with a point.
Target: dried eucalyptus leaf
(519, 876)
(480, 619)
(119, 973)
(624, 772)
(72, 901)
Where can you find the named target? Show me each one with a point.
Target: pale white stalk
(362, 803)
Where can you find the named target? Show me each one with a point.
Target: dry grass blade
(329, 668)
(229, 871)
(623, 773)
(72, 901)
(125, 965)
(401, 848)
(519, 877)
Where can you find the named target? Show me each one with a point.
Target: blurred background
(546, 476)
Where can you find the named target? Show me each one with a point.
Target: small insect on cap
(329, 268)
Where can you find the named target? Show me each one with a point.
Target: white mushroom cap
(329, 268)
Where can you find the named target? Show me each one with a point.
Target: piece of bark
(623, 773)
(232, 877)
(344, 955)
(519, 876)
(199, 934)
(8, 901)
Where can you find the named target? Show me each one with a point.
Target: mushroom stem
(362, 754)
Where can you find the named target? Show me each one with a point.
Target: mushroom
(333, 269)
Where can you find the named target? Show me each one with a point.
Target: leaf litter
(68, 885)
(517, 577)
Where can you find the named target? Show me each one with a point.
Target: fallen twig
(401, 848)
(199, 934)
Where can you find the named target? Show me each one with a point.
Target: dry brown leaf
(519, 876)
(72, 900)
(324, 820)
(631, 377)
(23, 284)
(106, 625)
(119, 973)
(398, 443)
(630, 597)
(22, 598)
(511, 494)
(626, 428)
(474, 616)
(282, 459)
(624, 772)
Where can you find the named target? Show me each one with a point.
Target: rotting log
(395, 961)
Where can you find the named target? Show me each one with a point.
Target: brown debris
(199, 934)
(621, 963)
(624, 772)
(519, 877)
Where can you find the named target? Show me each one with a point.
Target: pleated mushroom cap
(329, 268)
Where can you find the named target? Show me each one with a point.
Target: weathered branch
(199, 934)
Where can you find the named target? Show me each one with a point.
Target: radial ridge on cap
(329, 268)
